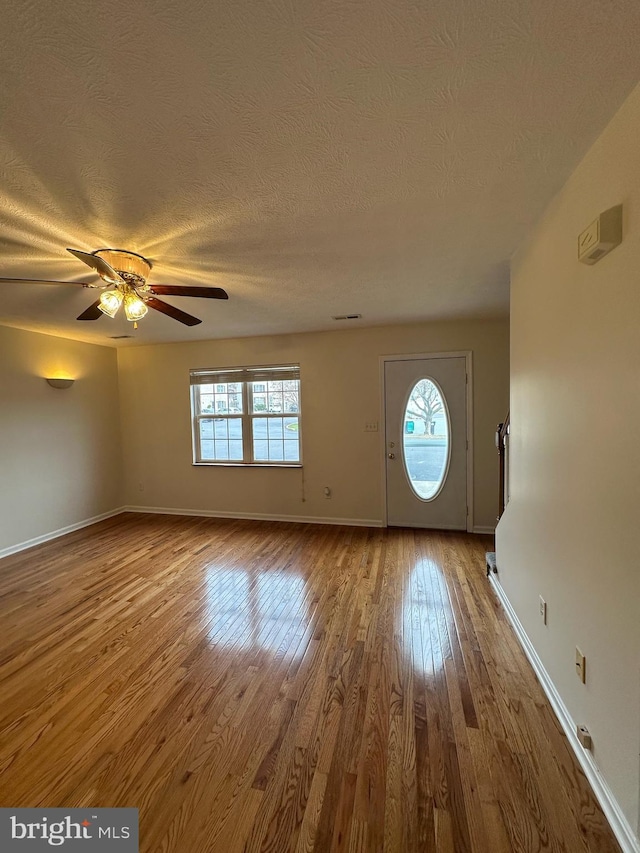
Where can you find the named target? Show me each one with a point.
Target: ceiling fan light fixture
(127, 273)
(110, 302)
(134, 307)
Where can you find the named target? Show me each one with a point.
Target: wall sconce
(60, 383)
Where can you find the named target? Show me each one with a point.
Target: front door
(426, 442)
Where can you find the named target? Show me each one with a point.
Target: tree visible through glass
(426, 439)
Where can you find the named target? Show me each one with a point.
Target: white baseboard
(258, 516)
(54, 534)
(484, 528)
(298, 519)
(621, 827)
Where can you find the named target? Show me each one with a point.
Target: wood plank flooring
(255, 686)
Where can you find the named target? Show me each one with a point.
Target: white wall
(60, 453)
(570, 531)
(340, 391)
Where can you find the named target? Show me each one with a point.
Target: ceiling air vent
(119, 337)
(347, 317)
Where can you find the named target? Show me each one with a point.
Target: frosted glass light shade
(57, 382)
(110, 301)
(134, 307)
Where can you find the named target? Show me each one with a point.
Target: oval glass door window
(426, 446)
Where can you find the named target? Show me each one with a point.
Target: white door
(426, 442)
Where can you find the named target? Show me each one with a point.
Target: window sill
(247, 464)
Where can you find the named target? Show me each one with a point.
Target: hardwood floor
(252, 686)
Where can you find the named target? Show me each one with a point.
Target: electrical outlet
(581, 666)
(371, 426)
(327, 492)
(543, 610)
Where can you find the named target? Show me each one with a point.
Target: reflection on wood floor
(255, 686)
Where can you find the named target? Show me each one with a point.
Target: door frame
(468, 356)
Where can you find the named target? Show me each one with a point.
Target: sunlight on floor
(249, 610)
(422, 601)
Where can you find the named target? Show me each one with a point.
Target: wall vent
(119, 337)
(347, 317)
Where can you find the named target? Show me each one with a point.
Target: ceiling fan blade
(91, 313)
(47, 281)
(104, 270)
(177, 290)
(170, 311)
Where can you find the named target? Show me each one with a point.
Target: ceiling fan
(127, 273)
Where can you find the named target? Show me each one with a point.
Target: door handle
(391, 455)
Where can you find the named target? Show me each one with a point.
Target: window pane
(227, 399)
(275, 428)
(235, 449)
(206, 403)
(235, 428)
(258, 397)
(221, 440)
(276, 451)
(276, 440)
(274, 397)
(426, 439)
(291, 440)
(291, 402)
(260, 446)
(292, 451)
(291, 395)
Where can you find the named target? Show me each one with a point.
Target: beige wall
(570, 532)
(340, 391)
(59, 450)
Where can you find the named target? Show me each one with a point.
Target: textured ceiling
(312, 157)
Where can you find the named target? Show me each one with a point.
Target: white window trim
(247, 376)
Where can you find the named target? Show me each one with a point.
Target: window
(426, 447)
(246, 415)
